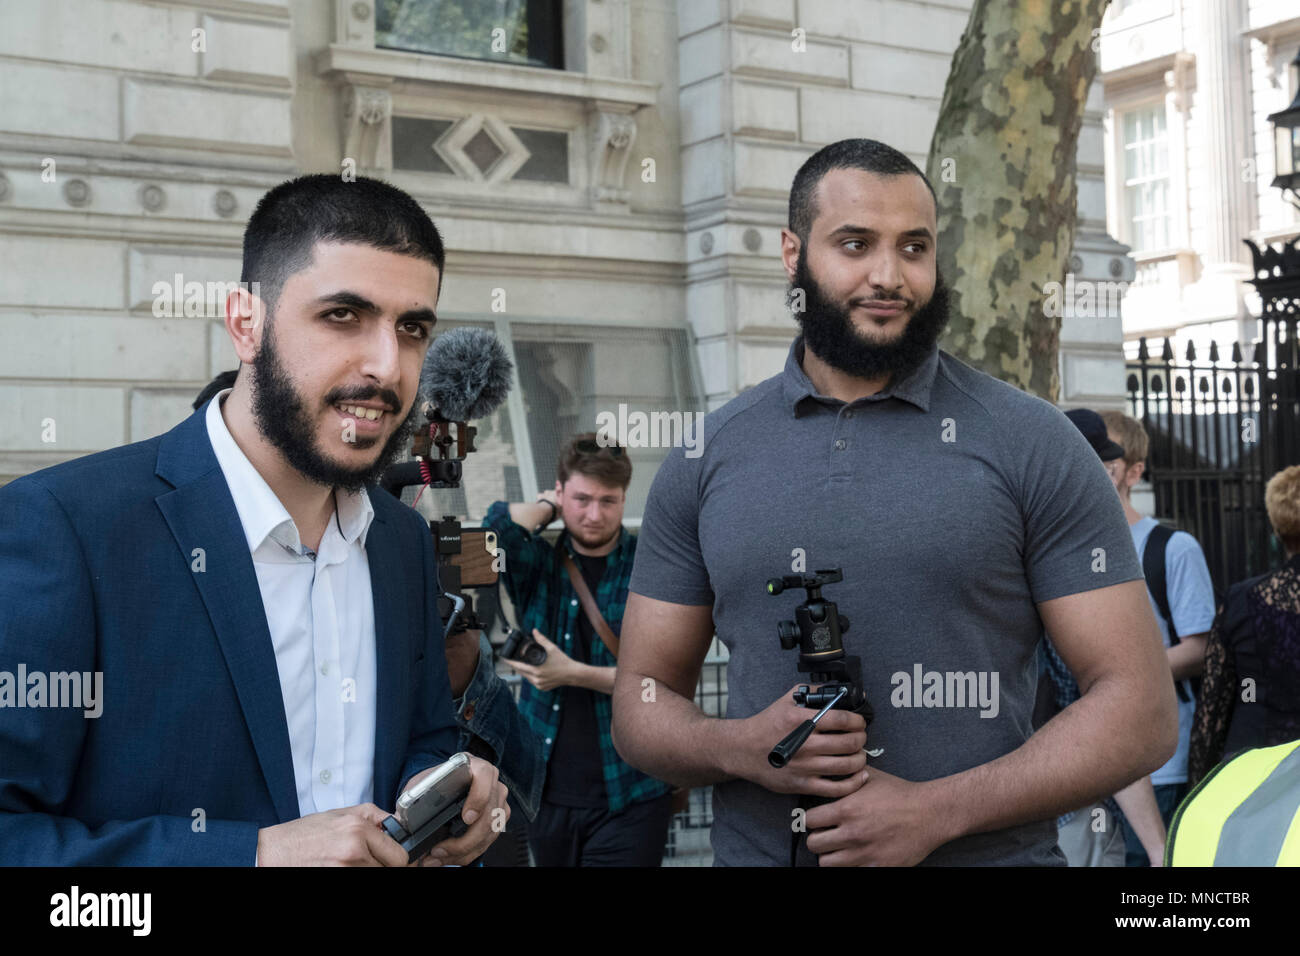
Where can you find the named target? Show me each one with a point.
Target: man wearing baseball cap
(1090, 836)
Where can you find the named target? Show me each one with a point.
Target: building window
(548, 155)
(511, 31)
(1141, 8)
(567, 375)
(1146, 179)
(413, 140)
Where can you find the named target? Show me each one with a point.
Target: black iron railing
(1214, 445)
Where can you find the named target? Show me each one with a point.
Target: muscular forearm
(668, 737)
(1085, 752)
(1138, 801)
(593, 678)
(1187, 657)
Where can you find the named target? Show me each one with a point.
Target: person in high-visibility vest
(1246, 812)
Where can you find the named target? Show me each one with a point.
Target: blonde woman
(1250, 696)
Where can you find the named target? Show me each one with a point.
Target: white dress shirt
(321, 615)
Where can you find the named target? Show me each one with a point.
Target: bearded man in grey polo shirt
(967, 516)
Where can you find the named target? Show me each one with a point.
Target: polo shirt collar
(914, 388)
(261, 513)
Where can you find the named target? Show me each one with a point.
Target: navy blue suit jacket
(99, 571)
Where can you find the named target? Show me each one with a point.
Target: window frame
(500, 325)
(1128, 214)
(554, 12)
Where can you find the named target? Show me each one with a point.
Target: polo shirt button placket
(840, 465)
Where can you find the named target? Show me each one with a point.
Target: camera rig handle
(817, 630)
(782, 752)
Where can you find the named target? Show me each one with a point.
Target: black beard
(282, 418)
(829, 333)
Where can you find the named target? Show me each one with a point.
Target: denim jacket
(492, 727)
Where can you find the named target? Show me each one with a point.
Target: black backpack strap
(1153, 567)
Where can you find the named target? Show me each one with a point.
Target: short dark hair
(868, 155)
(219, 384)
(323, 207)
(607, 465)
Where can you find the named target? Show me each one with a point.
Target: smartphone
(429, 812)
(420, 804)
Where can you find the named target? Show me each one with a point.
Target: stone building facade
(616, 221)
(1188, 86)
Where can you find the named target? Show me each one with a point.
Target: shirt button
(555, 707)
(840, 444)
(573, 603)
(325, 668)
(568, 637)
(848, 413)
(548, 740)
(324, 776)
(468, 712)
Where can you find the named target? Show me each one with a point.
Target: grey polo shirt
(954, 503)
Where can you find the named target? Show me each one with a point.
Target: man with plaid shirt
(596, 810)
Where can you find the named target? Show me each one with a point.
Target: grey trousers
(1085, 845)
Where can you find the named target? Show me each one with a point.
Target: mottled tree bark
(1003, 164)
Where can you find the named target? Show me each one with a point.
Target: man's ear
(790, 246)
(245, 316)
(1138, 471)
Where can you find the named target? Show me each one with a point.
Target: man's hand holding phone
(351, 836)
(354, 836)
(487, 795)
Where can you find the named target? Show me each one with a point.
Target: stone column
(1222, 70)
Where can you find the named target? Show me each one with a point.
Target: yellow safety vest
(1246, 812)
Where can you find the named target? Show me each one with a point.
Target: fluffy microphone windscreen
(466, 374)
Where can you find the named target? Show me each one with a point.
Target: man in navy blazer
(228, 637)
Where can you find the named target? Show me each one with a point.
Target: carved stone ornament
(77, 192)
(367, 126)
(224, 203)
(1179, 79)
(613, 134)
(152, 197)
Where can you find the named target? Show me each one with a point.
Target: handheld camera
(466, 376)
(521, 647)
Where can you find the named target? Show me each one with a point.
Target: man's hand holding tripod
(835, 749)
(872, 818)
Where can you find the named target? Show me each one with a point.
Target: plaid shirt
(544, 598)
